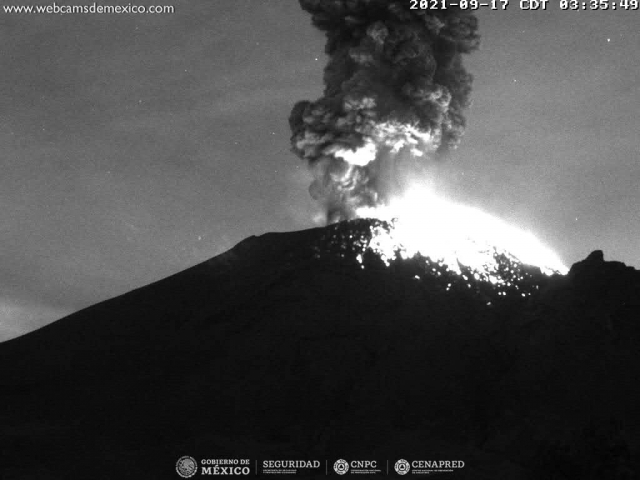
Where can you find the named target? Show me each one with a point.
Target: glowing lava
(454, 235)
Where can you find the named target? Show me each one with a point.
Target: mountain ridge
(288, 346)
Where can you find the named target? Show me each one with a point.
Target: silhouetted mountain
(289, 347)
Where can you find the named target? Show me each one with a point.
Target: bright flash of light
(455, 235)
(361, 156)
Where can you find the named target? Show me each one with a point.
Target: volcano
(305, 345)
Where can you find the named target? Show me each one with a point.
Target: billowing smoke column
(395, 89)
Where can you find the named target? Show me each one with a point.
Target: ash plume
(395, 89)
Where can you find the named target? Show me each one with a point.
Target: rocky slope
(287, 346)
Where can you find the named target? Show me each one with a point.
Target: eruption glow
(394, 100)
(395, 87)
(455, 235)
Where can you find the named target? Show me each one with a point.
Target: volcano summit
(307, 345)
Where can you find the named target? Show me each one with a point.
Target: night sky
(135, 146)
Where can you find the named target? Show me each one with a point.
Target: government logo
(186, 466)
(402, 467)
(341, 466)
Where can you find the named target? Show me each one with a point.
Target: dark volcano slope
(285, 347)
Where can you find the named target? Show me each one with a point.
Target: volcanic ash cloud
(395, 89)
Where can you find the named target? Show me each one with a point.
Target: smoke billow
(395, 88)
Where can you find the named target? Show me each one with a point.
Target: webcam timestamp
(600, 5)
(462, 4)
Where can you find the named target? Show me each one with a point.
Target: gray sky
(135, 146)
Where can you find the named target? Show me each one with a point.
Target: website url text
(54, 8)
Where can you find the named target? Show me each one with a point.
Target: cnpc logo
(341, 466)
(366, 464)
